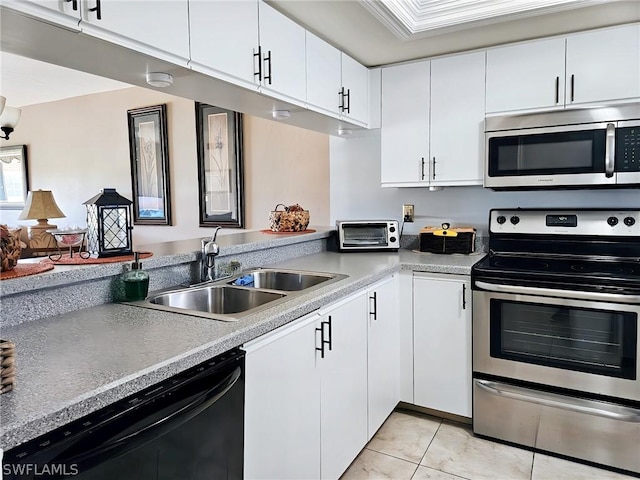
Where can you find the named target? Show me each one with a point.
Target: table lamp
(41, 206)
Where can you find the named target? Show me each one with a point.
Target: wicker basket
(7, 365)
(288, 220)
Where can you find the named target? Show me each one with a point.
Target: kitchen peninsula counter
(71, 364)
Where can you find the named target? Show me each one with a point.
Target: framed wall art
(148, 147)
(14, 179)
(220, 170)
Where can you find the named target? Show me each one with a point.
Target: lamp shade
(3, 100)
(40, 205)
(10, 117)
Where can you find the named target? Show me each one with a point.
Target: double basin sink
(233, 298)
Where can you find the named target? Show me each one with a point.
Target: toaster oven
(368, 235)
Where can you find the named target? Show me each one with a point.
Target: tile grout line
(432, 439)
(392, 456)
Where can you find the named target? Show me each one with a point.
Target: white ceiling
(425, 28)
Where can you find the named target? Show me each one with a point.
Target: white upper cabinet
(457, 120)
(59, 12)
(324, 75)
(596, 67)
(355, 90)
(604, 66)
(405, 124)
(283, 55)
(224, 38)
(526, 76)
(159, 28)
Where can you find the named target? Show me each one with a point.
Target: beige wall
(77, 146)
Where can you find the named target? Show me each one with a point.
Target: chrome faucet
(210, 250)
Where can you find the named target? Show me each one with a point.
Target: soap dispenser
(136, 280)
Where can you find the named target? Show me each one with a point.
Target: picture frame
(14, 177)
(149, 152)
(220, 166)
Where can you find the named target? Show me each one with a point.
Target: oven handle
(577, 405)
(551, 292)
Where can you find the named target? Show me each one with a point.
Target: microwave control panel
(628, 149)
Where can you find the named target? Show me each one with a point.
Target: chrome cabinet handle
(552, 292)
(348, 95)
(433, 176)
(323, 342)
(578, 405)
(610, 151)
(341, 104)
(422, 168)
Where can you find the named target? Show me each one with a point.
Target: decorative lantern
(109, 224)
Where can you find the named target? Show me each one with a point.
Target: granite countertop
(72, 364)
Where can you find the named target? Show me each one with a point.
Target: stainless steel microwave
(368, 235)
(582, 148)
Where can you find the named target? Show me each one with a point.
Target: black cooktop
(565, 271)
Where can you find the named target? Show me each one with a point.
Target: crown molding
(413, 19)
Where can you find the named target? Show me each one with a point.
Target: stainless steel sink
(216, 299)
(283, 280)
(233, 298)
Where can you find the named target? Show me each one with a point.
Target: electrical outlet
(407, 213)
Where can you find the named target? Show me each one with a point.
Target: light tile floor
(412, 446)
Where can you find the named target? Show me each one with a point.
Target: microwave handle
(609, 152)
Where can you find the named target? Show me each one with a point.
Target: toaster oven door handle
(609, 152)
(578, 405)
(552, 292)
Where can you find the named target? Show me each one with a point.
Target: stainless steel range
(556, 307)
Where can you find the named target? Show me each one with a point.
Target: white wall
(77, 146)
(356, 193)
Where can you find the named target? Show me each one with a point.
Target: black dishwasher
(189, 427)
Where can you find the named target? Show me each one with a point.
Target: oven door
(575, 340)
(577, 155)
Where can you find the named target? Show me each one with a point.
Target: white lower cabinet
(383, 352)
(442, 342)
(305, 400)
(343, 386)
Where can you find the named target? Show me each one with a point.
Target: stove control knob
(392, 239)
(613, 221)
(515, 220)
(501, 219)
(392, 229)
(629, 221)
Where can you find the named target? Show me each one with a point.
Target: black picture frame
(14, 177)
(149, 152)
(220, 166)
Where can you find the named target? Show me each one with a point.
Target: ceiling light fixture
(8, 120)
(281, 114)
(344, 132)
(159, 79)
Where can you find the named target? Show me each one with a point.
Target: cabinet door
(282, 404)
(405, 124)
(383, 354)
(283, 54)
(159, 28)
(58, 12)
(442, 344)
(457, 119)
(526, 76)
(323, 74)
(343, 385)
(355, 81)
(604, 66)
(224, 37)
